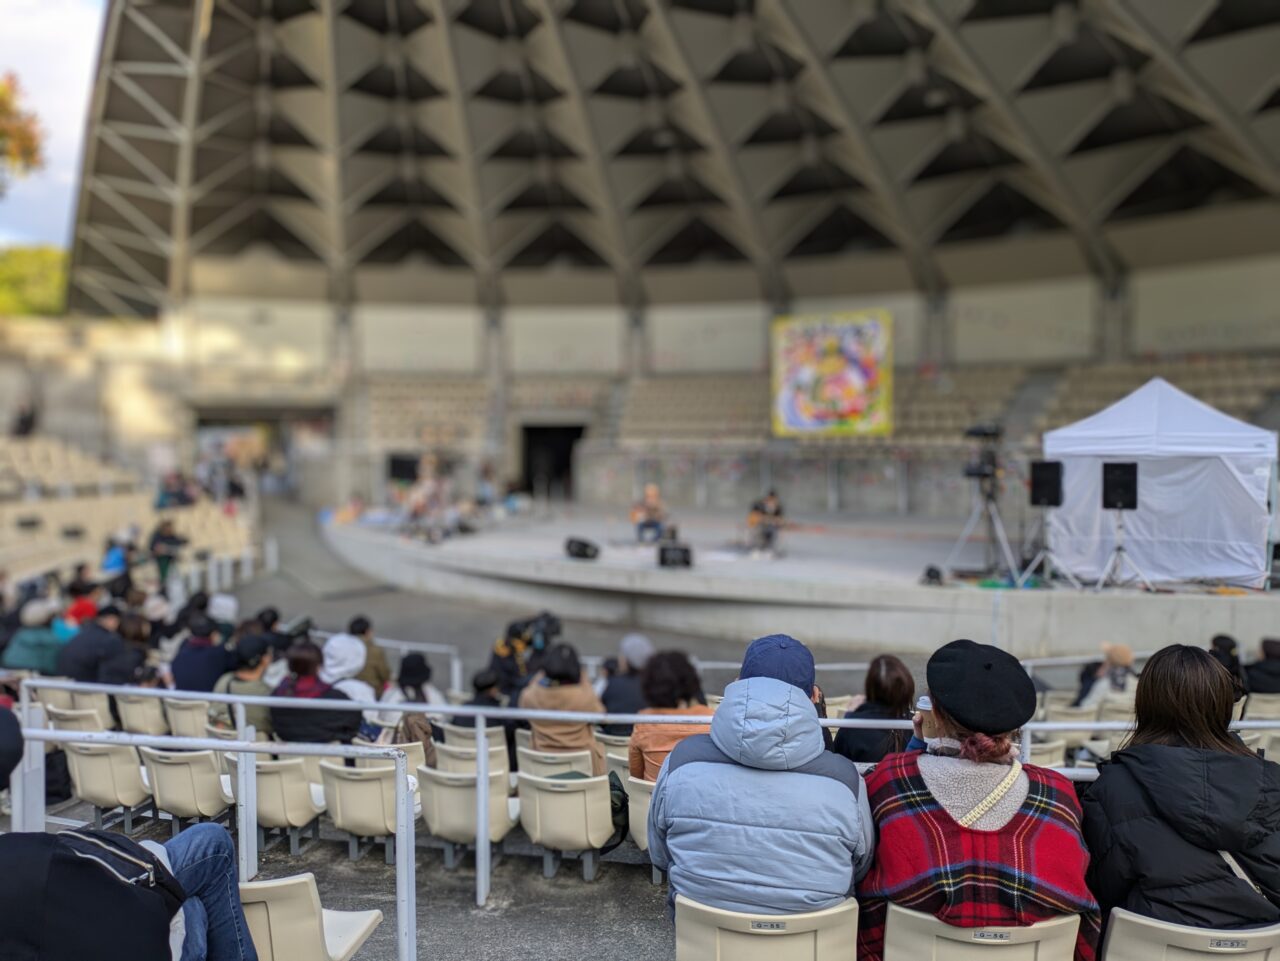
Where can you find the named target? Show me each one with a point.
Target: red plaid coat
(1031, 870)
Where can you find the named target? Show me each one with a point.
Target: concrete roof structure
(476, 140)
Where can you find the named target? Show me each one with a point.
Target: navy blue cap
(782, 657)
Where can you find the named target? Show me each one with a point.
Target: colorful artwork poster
(833, 375)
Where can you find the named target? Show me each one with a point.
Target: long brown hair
(1185, 699)
(890, 683)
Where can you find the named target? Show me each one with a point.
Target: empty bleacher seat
(141, 715)
(73, 720)
(449, 808)
(913, 936)
(639, 796)
(362, 802)
(186, 784)
(1131, 937)
(704, 933)
(108, 776)
(187, 718)
(100, 703)
(287, 923)
(462, 760)
(286, 800)
(566, 815)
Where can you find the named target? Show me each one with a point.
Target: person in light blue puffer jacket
(757, 816)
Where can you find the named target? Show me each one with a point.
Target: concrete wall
(540, 340)
(1045, 322)
(704, 338)
(1228, 305)
(400, 337)
(280, 335)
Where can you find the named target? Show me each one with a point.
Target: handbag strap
(1240, 872)
(995, 797)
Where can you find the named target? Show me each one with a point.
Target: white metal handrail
(483, 859)
(28, 791)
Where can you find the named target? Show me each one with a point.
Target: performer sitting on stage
(649, 516)
(765, 520)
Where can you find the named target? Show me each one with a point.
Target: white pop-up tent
(1205, 490)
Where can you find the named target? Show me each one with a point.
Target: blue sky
(52, 45)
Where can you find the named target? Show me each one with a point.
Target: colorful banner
(833, 375)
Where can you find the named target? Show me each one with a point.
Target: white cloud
(52, 45)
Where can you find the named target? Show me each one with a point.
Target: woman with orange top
(671, 686)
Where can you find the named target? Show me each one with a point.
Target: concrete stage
(853, 584)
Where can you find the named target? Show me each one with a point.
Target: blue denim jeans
(649, 531)
(204, 862)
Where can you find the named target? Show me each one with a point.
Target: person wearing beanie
(624, 694)
(968, 833)
(756, 815)
(253, 653)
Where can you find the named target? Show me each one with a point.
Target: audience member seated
(1263, 677)
(223, 610)
(202, 659)
(1223, 649)
(1184, 803)
(757, 816)
(11, 745)
(485, 686)
(413, 686)
(649, 515)
(304, 681)
(623, 694)
(36, 644)
(269, 618)
(967, 833)
(98, 654)
(890, 693)
(376, 671)
(670, 685)
(561, 685)
(82, 582)
(1112, 680)
(191, 912)
(343, 661)
(253, 653)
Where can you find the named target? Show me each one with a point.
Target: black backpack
(84, 894)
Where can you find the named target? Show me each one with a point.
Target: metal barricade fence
(247, 816)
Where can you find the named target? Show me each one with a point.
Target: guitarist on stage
(764, 521)
(650, 516)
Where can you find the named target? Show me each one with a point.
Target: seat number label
(768, 925)
(991, 935)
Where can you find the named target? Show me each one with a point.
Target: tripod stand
(1113, 572)
(1046, 556)
(985, 506)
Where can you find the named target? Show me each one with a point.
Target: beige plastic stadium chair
(109, 776)
(1049, 754)
(1131, 937)
(449, 808)
(186, 784)
(1262, 707)
(704, 933)
(568, 815)
(73, 720)
(911, 936)
(362, 802)
(286, 800)
(187, 718)
(614, 743)
(414, 751)
(619, 764)
(287, 922)
(50, 697)
(457, 736)
(141, 715)
(1054, 713)
(1121, 711)
(550, 763)
(311, 764)
(95, 702)
(462, 760)
(524, 738)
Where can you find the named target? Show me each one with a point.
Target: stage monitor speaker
(1046, 483)
(1120, 486)
(581, 550)
(675, 555)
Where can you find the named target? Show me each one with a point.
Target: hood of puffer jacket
(344, 656)
(1214, 800)
(768, 724)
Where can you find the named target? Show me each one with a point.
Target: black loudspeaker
(1046, 483)
(1120, 487)
(581, 550)
(675, 555)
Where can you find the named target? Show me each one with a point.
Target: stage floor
(854, 583)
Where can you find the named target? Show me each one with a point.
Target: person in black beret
(968, 833)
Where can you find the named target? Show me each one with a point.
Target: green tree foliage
(21, 138)
(32, 281)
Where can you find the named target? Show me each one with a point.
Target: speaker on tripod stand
(1120, 495)
(1046, 494)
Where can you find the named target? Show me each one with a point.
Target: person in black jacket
(1181, 791)
(1223, 649)
(622, 695)
(890, 691)
(98, 654)
(316, 726)
(202, 658)
(1263, 677)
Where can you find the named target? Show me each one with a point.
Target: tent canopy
(1158, 420)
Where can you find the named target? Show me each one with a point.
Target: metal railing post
(247, 796)
(271, 555)
(406, 918)
(211, 575)
(456, 679)
(482, 812)
(246, 565)
(26, 786)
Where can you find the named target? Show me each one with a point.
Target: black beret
(982, 688)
